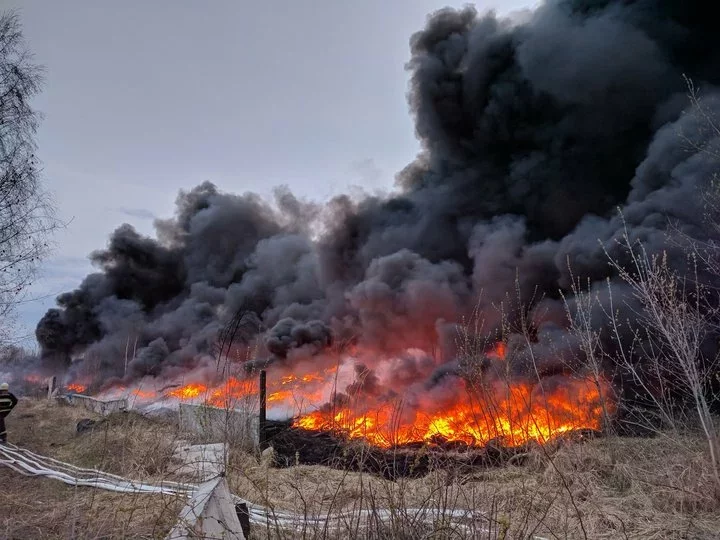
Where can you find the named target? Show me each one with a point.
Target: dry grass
(658, 488)
(41, 508)
(127, 444)
(606, 488)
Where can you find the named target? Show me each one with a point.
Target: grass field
(32, 507)
(656, 488)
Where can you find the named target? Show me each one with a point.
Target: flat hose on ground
(31, 464)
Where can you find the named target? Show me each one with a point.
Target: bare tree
(26, 213)
(702, 139)
(583, 326)
(674, 320)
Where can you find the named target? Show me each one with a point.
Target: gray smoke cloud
(289, 335)
(533, 132)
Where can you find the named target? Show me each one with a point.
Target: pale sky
(145, 98)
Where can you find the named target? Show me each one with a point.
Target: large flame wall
(467, 410)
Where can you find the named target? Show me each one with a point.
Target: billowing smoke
(288, 335)
(533, 130)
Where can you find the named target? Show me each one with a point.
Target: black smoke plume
(534, 130)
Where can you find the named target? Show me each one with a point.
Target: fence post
(262, 438)
(51, 383)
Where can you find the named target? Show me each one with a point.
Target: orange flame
(514, 412)
(189, 392)
(522, 413)
(224, 395)
(77, 388)
(500, 350)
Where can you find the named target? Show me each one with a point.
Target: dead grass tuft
(604, 488)
(127, 444)
(41, 508)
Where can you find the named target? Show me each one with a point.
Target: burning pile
(525, 413)
(470, 412)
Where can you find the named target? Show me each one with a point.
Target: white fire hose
(31, 464)
(28, 463)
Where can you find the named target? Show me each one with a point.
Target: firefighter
(7, 403)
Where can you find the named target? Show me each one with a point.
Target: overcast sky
(144, 98)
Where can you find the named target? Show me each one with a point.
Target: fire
(77, 388)
(500, 351)
(226, 394)
(515, 412)
(279, 396)
(522, 413)
(374, 410)
(189, 392)
(287, 391)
